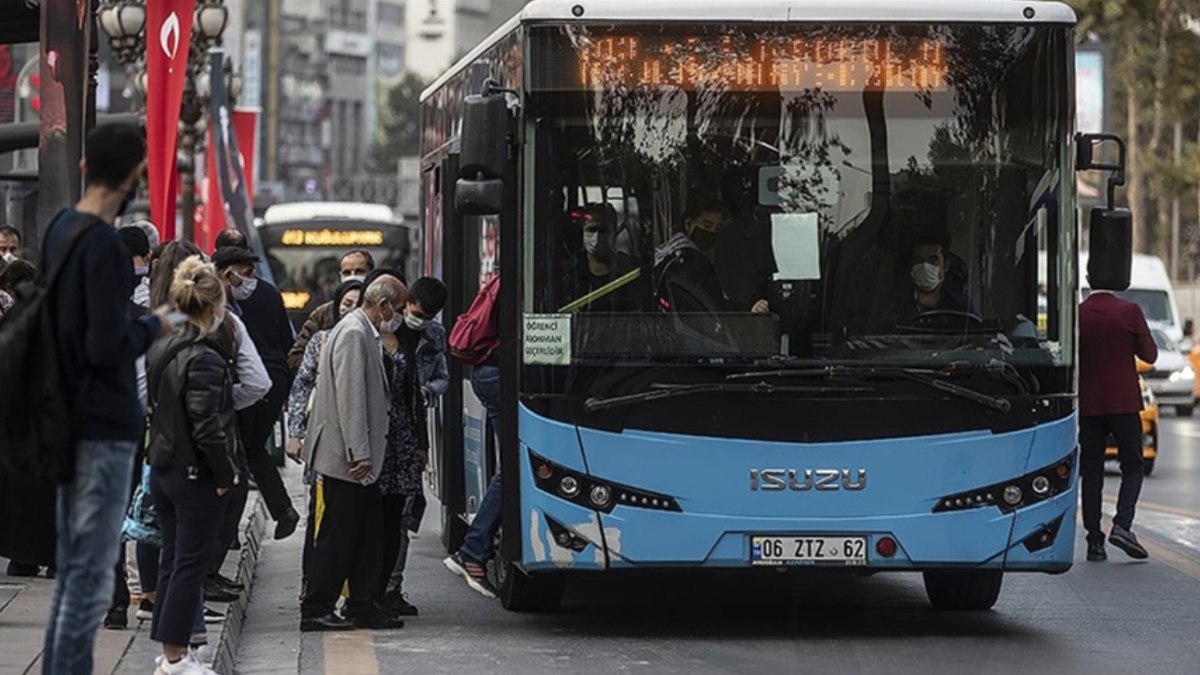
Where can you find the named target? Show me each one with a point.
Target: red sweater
(1112, 332)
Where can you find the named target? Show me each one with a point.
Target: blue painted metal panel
(710, 477)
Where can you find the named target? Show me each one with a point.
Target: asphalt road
(1116, 617)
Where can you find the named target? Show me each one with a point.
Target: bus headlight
(568, 486)
(594, 493)
(1011, 495)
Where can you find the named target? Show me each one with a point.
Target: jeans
(477, 545)
(90, 511)
(1093, 441)
(189, 513)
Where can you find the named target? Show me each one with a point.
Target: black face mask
(128, 201)
(704, 239)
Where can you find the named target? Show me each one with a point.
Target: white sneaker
(185, 666)
(202, 656)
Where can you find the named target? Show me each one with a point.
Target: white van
(1150, 287)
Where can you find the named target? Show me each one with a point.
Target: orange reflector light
(544, 471)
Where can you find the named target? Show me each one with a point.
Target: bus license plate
(801, 550)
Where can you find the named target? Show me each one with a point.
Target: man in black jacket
(260, 307)
(356, 264)
(97, 342)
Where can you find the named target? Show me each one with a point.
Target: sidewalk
(24, 610)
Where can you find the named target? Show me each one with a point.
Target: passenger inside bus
(598, 277)
(937, 280)
(685, 277)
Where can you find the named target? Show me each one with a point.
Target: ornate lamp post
(124, 21)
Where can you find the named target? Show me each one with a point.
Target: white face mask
(927, 277)
(246, 289)
(8, 257)
(354, 277)
(415, 322)
(598, 244)
(391, 325)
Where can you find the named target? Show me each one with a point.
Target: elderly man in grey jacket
(345, 447)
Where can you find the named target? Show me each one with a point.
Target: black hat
(135, 240)
(232, 255)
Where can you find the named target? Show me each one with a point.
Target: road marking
(351, 653)
(1183, 562)
(1186, 564)
(1162, 508)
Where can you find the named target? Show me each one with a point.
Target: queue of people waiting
(182, 363)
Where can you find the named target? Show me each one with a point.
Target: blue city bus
(847, 368)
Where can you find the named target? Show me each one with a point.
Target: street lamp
(124, 21)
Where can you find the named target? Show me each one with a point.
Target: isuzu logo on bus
(802, 480)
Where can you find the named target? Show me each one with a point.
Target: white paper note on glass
(796, 240)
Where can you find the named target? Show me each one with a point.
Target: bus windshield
(305, 255)
(848, 192)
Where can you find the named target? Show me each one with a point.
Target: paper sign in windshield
(796, 241)
(547, 339)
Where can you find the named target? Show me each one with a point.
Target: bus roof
(308, 211)
(875, 11)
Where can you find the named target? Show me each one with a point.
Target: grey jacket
(431, 359)
(349, 421)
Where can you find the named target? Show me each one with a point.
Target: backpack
(476, 335)
(37, 420)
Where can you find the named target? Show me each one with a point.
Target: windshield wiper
(659, 391)
(926, 376)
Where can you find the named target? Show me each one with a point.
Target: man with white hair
(345, 447)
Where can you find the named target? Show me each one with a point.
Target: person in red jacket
(1112, 332)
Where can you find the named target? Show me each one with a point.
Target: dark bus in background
(305, 242)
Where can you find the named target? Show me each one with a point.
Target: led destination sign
(762, 63)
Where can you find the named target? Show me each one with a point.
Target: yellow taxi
(1149, 428)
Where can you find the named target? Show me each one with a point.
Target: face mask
(391, 325)
(8, 258)
(140, 272)
(704, 239)
(415, 322)
(128, 201)
(354, 277)
(246, 289)
(598, 244)
(927, 277)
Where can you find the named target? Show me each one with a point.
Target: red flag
(168, 37)
(245, 125)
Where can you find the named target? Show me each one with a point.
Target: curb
(235, 617)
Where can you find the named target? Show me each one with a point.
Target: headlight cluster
(1011, 495)
(1183, 374)
(593, 493)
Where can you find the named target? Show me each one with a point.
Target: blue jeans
(477, 546)
(90, 512)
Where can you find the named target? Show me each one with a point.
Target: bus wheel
(963, 589)
(454, 530)
(521, 592)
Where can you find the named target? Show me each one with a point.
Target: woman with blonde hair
(192, 454)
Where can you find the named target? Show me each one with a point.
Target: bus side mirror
(484, 154)
(1110, 258)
